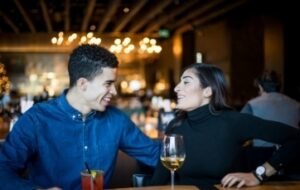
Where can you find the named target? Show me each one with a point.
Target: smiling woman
(214, 134)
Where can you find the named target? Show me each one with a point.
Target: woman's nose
(176, 89)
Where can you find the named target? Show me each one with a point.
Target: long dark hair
(209, 76)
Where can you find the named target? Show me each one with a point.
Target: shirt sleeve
(17, 149)
(136, 144)
(271, 131)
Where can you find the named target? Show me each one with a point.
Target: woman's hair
(87, 61)
(213, 77)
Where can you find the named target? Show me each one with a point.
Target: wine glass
(172, 153)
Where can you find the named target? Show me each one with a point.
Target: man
(272, 105)
(54, 140)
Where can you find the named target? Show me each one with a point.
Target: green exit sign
(164, 33)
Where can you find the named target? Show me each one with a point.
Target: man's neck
(75, 99)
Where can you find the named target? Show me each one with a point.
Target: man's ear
(81, 84)
(207, 92)
(260, 89)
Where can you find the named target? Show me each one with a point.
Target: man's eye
(110, 83)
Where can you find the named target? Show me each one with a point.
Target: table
(165, 187)
(282, 185)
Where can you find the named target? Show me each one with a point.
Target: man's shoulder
(258, 99)
(290, 100)
(114, 111)
(45, 106)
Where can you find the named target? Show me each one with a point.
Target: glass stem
(172, 179)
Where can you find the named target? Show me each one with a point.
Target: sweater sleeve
(271, 131)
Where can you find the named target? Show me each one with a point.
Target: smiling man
(55, 139)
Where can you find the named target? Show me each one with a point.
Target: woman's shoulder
(234, 117)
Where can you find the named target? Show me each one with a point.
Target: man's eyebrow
(110, 81)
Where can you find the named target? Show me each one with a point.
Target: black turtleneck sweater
(213, 144)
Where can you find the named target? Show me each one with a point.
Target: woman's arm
(254, 127)
(247, 179)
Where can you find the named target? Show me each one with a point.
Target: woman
(214, 134)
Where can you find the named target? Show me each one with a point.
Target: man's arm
(18, 147)
(136, 144)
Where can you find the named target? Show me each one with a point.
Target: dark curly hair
(87, 61)
(269, 81)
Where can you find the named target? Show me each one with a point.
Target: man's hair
(87, 61)
(269, 81)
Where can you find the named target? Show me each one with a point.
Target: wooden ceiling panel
(110, 16)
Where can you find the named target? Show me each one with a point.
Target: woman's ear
(207, 92)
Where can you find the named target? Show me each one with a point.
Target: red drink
(92, 181)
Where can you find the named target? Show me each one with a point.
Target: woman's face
(190, 94)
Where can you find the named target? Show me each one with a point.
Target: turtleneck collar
(199, 114)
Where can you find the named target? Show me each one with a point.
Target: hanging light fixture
(145, 46)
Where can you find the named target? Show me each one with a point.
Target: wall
(243, 45)
(214, 43)
(31, 72)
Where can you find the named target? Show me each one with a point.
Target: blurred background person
(272, 105)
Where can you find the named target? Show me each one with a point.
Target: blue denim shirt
(53, 141)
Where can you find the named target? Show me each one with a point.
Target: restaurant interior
(153, 40)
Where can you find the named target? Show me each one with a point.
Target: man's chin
(100, 108)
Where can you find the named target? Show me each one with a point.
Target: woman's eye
(185, 82)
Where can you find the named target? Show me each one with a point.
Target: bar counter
(274, 185)
(164, 187)
(281, 185)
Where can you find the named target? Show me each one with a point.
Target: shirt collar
(69, 110)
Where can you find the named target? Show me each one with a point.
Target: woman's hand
(239, 179)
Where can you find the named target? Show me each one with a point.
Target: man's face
(99, 91)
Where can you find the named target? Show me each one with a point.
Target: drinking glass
(92, 180)
(172, 153)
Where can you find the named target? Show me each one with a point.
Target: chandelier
(126, 45)
(4, 81)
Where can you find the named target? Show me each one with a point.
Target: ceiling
(110, 16)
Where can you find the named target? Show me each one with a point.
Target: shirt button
(85, 147)
(73, 116)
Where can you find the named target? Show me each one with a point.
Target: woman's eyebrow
(184, 77)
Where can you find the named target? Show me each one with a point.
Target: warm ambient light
(4, 81)
(146, 45)
(61, 39)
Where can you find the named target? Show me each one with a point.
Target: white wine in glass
(172, 153)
